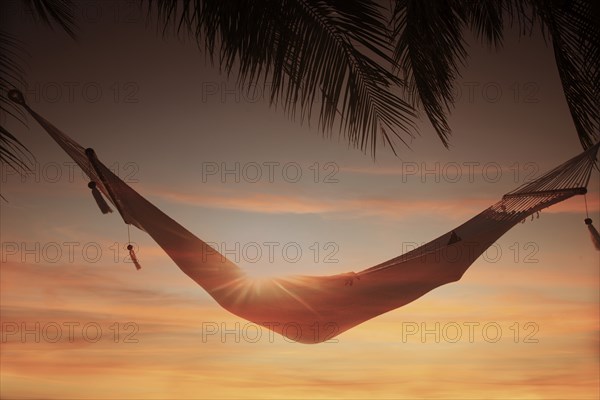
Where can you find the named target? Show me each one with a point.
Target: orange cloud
(384, 207)
(365, 206)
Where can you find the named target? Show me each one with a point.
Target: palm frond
(429, 49)
(60, 12)
(12, 152)
(575, 32)
(299, 49)
(486, 19)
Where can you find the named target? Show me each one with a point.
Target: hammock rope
(321, 307)
(594, 235)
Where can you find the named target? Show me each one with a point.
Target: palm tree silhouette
(12, 152)
(366, 69)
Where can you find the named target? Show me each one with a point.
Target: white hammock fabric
(313, 309)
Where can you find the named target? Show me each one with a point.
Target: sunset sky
(169, 123)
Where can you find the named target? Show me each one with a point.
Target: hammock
(313, 309)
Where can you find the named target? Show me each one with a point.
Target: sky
(78, 321)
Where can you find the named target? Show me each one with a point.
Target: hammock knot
(16, 96)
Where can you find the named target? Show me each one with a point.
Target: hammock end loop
(16, 96)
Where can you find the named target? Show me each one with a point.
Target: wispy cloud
(365, 206)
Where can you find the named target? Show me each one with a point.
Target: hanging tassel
(104, 207)
(593, 233)
(133, 257)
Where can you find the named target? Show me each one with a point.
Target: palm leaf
(429, 49)
(60, 12)
(486, 20)
(12, 152)
(336, 49)
(575, 32)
